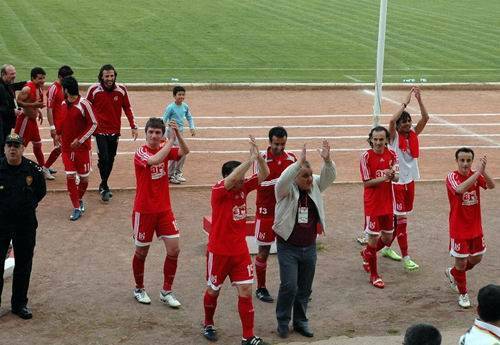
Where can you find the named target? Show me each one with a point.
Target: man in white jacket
(299, 214)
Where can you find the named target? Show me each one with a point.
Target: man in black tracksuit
(22, 186)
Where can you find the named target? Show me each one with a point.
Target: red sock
(402, 235)
(245, 308)
(371, 258)
(394, 234)
(37, 150)
(260, 270)
(169, 269)
(380, 243)
(82, 188)
(461, 279)
(138, 262)
(73, 190)
(53, 157)
(210, 303)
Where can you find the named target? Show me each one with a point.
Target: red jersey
(152, 192)
(55, 97)
(378, 199)
(465, 209)
(77, 122)
(108, 107)
(266, 199)
(229, 212)
(36, 94)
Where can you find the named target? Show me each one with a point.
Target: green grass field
(254, 41)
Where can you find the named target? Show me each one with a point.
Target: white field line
(458, 127)
(311, 150)
(327, 116)
(446, 124)
(339, 137)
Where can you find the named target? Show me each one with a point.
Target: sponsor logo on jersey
(239, 212)
(469, 198)
(158, 171)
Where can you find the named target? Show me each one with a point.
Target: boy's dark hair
(178, 89)
(488, 303)
(155, 122)
(107, 67)
(36, 71)
(228, 167)
(378, 129)
(422, 334)
(404, 116)
(71, 85)
(278, 132)
(465, 150)
(64, 71)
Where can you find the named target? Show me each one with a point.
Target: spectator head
(422, 334)
(488, 303)
(404, 122)
(8, 73)
(38, 76)
(178, 89)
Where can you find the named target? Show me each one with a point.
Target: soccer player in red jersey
(31, 100)
(467, 244)
(152, 211)
(379, 166)
(75, 128)
(405, 142)
(277, 160)
(227, 251)
(109, 99)
(55, 97)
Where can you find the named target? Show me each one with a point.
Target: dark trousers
(23, 253)
(106, 151)
(297, 266)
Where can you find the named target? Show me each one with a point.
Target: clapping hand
(481, 166)
(254, 149)
(324, 151)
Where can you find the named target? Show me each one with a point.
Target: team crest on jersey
(239, 212)
(29, 180)
(469, 198)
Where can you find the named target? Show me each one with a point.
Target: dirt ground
(81, 287)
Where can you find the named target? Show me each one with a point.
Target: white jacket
(287, 196)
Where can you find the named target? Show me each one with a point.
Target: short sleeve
(218, 192)
(173, 155)
(482, 182)
(141, 158)
(251, 183)
(364, 167)
(452, 182)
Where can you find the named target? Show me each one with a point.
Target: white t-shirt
(481, 333)
(408, 166)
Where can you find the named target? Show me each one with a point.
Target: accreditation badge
(29, 180)
(303, 215)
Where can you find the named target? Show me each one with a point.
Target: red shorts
(465, 248)
(375, 224)
(79, 162)
(264, 233)
(27, 129)
(239, 268)
(146, 224)
(404, 194)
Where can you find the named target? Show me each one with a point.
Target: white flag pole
(377, 103)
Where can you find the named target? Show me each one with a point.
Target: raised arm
(328, 171)
(287, 177)
(397, 114)
(425, 116)
(184, 149)
(464, 186)
(239, 172)
(263, 169)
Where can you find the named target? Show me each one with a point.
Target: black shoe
(264, 295)
(283, 331)
(23, 313)
(303, 330)
(253, 341)
(105, 195)
(210, 333)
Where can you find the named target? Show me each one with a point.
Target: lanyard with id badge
(303, 212)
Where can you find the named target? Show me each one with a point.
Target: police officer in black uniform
(22, 186)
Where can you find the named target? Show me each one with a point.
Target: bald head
(8, 73)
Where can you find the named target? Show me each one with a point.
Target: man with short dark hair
(22, 187)
(422, 334)
(8, 105)
(486, 328)
(109, 99)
